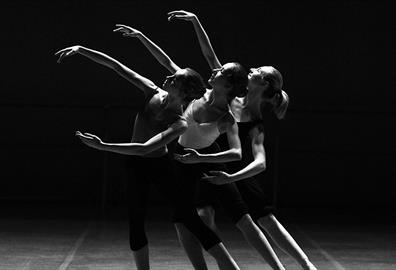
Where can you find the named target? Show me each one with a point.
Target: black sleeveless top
(244, 129)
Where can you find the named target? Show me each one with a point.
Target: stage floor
(62, 238)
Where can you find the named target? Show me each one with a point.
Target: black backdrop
(336, 147)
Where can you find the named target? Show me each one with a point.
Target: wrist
(80, 49)
(202, 158)
(232, 178)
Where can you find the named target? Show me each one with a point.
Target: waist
(213, 148)
(196, 139)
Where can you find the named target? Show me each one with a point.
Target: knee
(207, 214)
(245, 222)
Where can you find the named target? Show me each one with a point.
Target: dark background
(336, 146)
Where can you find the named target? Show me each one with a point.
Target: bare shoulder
(160, 94)
(161, 91)
(226, 122)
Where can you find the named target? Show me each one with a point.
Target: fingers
(216, 173)
(60, 58)
(181, 158)
(182, 17)
(64, 53)
(121, 25)
(71, 52)
(190, 150)
(90, 135)
(84, 137)
(60, 51)
(176, 12)
(120, 29)
(177, 156)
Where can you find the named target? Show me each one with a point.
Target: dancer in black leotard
(158, 122)
(264, 95)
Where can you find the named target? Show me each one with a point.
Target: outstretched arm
(255, 167)
(156, 51)
(137, 149)
(204, 42)
(146, 85)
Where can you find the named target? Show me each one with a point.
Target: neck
(173, 104)
(253, 104)
(217, 99)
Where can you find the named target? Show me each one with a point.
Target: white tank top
(198, 135)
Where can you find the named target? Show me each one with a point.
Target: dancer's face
(256, 80)
(171, 84)
(219, 76)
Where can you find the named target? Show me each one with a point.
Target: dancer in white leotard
(264, 95)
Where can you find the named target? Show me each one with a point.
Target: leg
(137, 191)
(284, 240)
(191, 246)
(223, 258)
(207, 214)
(233, 204)
(194, 251)
(258, 240)
(191, 229)
(141, 257)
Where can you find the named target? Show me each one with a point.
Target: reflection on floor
(73, 237)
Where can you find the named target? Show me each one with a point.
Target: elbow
(261, 166)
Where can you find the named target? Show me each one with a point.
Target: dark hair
(274, 89)
(275, 82)
(237, 77)
(191, 84)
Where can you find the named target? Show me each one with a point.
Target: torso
(205, 123)
(153, 119)
(246, 123)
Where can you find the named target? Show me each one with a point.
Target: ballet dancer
(264, 95)
(158, 122)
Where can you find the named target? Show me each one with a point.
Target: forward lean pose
(158, 122)
(265, 94)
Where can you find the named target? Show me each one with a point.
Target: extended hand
(217, 178)
(127, 31)
(69, 51)
(182, 15)
(192, 156)
(90, 139)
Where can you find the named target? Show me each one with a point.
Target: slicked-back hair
(192, 85)
(237, 77)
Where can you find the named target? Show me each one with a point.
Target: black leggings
(206, 194)
(252, 193)
(160, 170)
